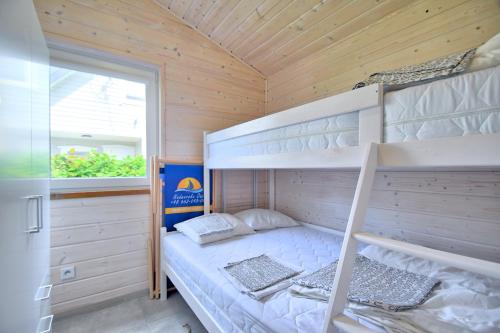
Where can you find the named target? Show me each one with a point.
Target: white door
(24, 111)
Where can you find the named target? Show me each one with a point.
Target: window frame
(101, 64)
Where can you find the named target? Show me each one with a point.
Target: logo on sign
(188, 193)
(189, 185)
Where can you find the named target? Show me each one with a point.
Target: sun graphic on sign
(189, 184)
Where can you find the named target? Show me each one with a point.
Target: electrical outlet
(67, 272)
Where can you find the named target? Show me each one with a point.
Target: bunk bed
(449, 124)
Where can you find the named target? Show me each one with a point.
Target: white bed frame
(455, 153)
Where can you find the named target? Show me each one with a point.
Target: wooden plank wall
(238, 191)
(105, 238)
(420, 31)
(452, 211)
(445, 210)
(202, 88)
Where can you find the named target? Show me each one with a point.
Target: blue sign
(182, 186)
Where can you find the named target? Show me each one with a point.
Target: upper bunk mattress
(462, 300)
(461, 105)
(320, 134)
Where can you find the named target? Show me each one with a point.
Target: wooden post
(151, 228)
(348, 252)
(159, 218)
(371, 121)
(272, 194)
(206, 176)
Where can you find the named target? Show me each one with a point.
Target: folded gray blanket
(375, 284)
(259, 272)
(417, 74)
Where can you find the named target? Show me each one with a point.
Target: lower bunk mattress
(464, 302)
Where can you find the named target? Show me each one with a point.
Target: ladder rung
(349, 325)
(466, 263)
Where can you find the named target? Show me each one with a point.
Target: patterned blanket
(259, 272)
(416, 74)
(374, 284)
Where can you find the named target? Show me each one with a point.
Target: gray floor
(135, 315)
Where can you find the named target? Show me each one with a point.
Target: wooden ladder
(335, 319)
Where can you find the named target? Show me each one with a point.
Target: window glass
(98, 125)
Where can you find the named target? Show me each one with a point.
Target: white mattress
(466, 104)
(464, 299)
(327, 133)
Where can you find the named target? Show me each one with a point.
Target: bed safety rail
(479, 266)
(334, 316)
(368, 101)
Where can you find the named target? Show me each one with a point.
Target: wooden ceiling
(270, 35)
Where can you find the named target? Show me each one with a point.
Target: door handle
(39, 206)
(32, 229)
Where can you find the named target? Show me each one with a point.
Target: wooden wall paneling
(231, 22)
(86, 287)
(101, 231)
(144, 31)
(349, 19)
(62, 255)
(237, 189)
(400, 22)
(198, 10)
(71, 212)
(165, 3)
(203, 87)
(413, 34)
(262, 189)
(180, 7)
(271, 46)
(105, 265)
(74, 305)
(290, 13)
(453, 211)
(215, 15)
(105, 239)
(262, 14)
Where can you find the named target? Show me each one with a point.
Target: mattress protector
(467, 104)
(464, 302)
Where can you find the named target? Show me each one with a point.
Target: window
(104, 122)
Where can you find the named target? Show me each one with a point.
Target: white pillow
(260, 219)
(487, 55)
(191, 228)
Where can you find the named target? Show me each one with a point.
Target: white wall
(106, 239)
